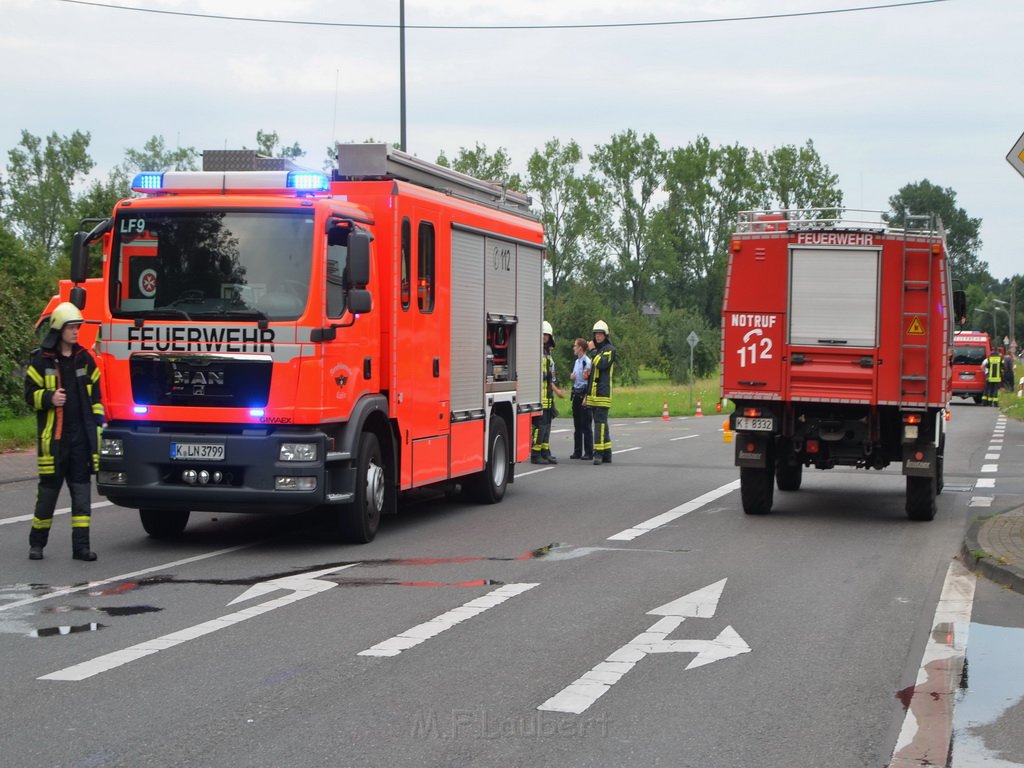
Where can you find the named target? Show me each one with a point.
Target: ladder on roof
(916, 310)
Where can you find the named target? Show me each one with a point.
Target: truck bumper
(250, 476)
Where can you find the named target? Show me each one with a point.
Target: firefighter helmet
(600, 327)
(64, 314)
(545, 327)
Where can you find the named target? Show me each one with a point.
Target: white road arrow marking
(702, 603)
(300, 587)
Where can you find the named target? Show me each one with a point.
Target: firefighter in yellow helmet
(541, 450)
(599, 394)
(62, 385)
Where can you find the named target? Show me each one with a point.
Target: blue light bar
(147, 182)
(257, 413)
(308, 181)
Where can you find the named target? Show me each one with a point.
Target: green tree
(25, 280)
(155, 156)
(963, 238)
(483, 165)
(267, 144)
(795, 177)
(707, 187)
(37, 193)
(674, 327)
(568, 208)
(631, 171)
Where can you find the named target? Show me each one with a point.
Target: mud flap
(919, 460)
(752, 449)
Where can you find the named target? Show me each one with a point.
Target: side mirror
(359, 301)
(79, 258)
(78, 296)
(358, 264)
(960, 306)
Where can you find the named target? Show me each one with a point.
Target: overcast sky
(889, 96)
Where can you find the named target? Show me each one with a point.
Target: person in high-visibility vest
(540, 452)
(599, 395)
(62, 385)
(993, 368)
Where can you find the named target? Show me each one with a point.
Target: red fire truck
(836, 333)
(275, 340)
(970, 350)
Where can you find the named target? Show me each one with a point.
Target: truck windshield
(197, 264)
(968, 355)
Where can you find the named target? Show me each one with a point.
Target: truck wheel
(488, 487)
(358, 521)
(787, 476)
(164, 524)
(757, 489)
(921, 498)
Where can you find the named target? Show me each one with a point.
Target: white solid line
(985, 482)
(123, 577)
(116, 659)
(422, 632)
(626, 450)
(61, 511)
(532, 472)
(684, 437)
(676, 512)
(938, 677)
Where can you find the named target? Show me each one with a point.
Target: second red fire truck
(836, 341)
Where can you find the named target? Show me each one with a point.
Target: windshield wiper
(249, 313)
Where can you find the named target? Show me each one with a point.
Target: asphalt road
(627, 614)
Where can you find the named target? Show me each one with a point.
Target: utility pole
(401, 66)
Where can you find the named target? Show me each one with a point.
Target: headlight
(298, 452)
(110, 446)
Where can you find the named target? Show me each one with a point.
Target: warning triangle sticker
(916, 327)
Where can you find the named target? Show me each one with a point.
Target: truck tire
(358, 521)
(488, 487)
(921, 493)
(788, 476)
(757, 489)
(164, 524)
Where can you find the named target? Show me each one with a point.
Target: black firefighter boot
(46, 500)
(80, 522)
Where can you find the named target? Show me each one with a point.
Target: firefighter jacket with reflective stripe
(548, 381)
(995, 368)
(42, 380)
(602, 357)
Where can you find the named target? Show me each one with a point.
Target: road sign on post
(693, 339)
(1016, 156)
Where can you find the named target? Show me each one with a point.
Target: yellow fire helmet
(600, 326)
(63, 314)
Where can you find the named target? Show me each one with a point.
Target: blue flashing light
(308, 181)
(140, 410)
(147, 182)
(257, 413)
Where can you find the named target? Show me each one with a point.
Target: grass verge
(17, 434)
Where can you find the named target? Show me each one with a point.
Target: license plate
(747, 424)
(966, 374)
(192, 451)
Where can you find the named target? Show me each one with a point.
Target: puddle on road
(988, 719)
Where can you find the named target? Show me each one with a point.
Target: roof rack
(847, 219)
(382, 161)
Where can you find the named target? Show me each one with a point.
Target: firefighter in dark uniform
(599, 395)
(993, 368)
(62, 385)
(540, 453)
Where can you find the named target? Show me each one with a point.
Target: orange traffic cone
(664, 411)
(700, 411)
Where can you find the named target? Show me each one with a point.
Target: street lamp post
(1010, 315)
(995, 328)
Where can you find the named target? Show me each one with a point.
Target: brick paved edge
(987, 564)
